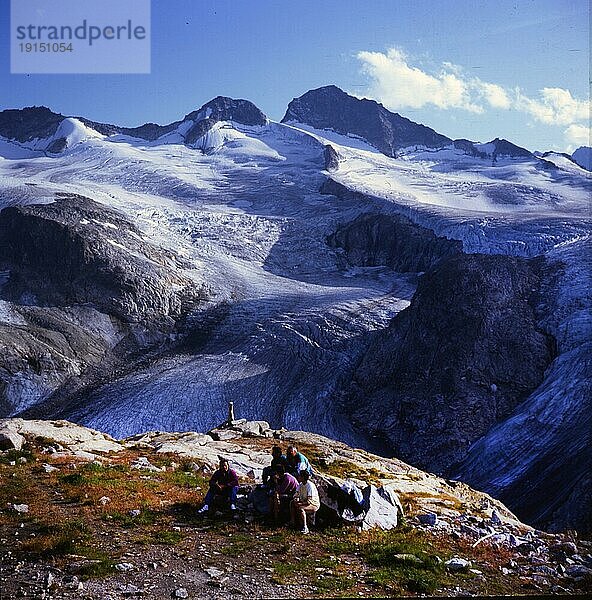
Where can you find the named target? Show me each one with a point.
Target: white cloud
(578, 135)
(556, 106)
(495, 94)
(396, 83)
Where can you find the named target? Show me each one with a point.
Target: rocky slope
(331, 108)
(583, 157)
(82, 288)
(373, 240)
(464, 354)
(82, 513)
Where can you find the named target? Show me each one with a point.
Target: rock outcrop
(26, 124)
(458, 360)
(83, 288)
(38, 123)
(374, 239)
(222, 109)
(376, 481)
(583, 157)
(76, 251)
(331, 108)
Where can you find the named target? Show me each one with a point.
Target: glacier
(286, 322)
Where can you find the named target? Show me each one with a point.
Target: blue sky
(476, 69)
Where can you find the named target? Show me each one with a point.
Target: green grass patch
(97, 568)
(57, 539)
(167, 537)
(146, 517)
(324, 573)
(14, 455)
(391, 552)
(186, 479)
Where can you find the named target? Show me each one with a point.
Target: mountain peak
(329, 107)
(25, 124)
(502, 147)
(223, 108)
(583, 157)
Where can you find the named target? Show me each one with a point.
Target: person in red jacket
(284, 488)
(223, 487)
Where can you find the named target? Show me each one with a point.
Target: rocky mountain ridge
(330, 108)
(325, 108)
(39, 122)
(454, 540)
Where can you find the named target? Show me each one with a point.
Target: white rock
(181, 593)
(457, 564)
(73, 437)
(49, 468)
(214, 573)
(143, 463)
(124, 567)
(21, 508)
(104, 500)
(10, 439)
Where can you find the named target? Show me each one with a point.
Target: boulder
(382, 509)
(10, 439)
(144, 464)
(428, 519)
(223, 435)
(367, 508)
(253, 428)
(74, 438)
(457, 564)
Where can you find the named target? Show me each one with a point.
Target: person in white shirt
(305, 503)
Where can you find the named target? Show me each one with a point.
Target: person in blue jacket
(297, 462)
(223, 487)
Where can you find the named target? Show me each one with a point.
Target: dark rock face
(458, 360)
(468, 147)
(29, 123)
(88, 292)
(331, 158)
(505, 148)
(583, 157)
(331, 108)
(76, 251)
(374, 239)
(222, 109)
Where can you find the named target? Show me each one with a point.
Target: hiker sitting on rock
(223, 487)
(285, 486)
(297, 462)
(305, 503)
(277, 459)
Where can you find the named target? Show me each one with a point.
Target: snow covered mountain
(583, 157)
(149, 275)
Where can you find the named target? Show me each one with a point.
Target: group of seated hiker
(287, 490)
